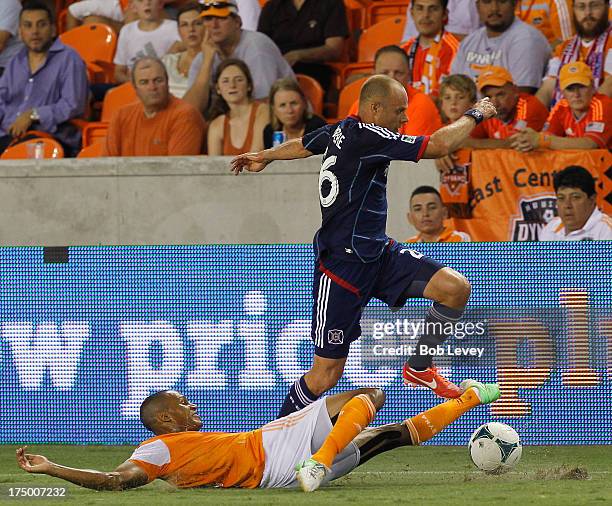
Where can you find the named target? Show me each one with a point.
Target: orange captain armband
(544, 141)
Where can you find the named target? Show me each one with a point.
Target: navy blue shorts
(342, 289)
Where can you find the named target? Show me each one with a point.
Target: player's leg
(424, 426)
(335, 324)
(355, 411)
(408, 274)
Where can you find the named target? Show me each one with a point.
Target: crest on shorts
(335, 336)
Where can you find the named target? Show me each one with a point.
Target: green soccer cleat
(487, 392)
(310, 474)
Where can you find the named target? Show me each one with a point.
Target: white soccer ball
(495, 447)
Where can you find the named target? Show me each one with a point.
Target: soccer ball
(495, 447)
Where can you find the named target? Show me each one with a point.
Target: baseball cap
(575, 73)
(493, 76)
(219, 8)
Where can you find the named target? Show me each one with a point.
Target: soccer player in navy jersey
(355, 260)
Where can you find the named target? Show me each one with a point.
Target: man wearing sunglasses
(225, 38)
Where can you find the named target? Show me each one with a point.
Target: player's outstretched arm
(450, 138)
(256, 162)
(127, 475)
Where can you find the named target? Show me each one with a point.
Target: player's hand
(253, 162)
(525, 140)
(36, 464)
(446, 163)
(486, 108)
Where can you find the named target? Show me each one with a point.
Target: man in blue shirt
(356, 261)
(44, 85)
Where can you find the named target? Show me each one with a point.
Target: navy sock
(433, 335)
(299, 397)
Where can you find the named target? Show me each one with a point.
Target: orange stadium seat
(92, 151)
(313, 91)
(114, 99)
(386, 32)
(96, 44)
(50, 149)
(348, 95)
(378, 11)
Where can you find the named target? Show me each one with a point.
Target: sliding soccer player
(267, 457)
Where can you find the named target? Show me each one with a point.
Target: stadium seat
(313, 91)
(114, 99)
(378, 11)
(348, 95)
(50, 149)
(384, 33)
(92, 151)
(96, 44)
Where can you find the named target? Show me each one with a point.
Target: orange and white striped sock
(426, 425)
(355, 416)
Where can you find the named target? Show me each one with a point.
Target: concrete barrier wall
(183, 200)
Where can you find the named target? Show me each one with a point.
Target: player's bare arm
(450, 138)
(127, 475)
(256, 162)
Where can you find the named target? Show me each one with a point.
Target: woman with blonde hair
(289, 113)
(239, 120)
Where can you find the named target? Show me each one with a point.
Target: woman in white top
(191, 31)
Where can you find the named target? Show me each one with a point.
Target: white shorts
(295, 438)
(106, 8)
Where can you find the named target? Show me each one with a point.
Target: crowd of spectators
(218, 77)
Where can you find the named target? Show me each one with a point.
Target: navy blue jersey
(353, 185)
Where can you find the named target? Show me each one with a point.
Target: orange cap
(575, 73)
(493, 76)
(219, 8)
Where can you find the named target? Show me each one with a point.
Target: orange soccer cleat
(432, 380)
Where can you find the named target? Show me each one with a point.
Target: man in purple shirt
(44, 85)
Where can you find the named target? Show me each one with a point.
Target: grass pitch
(431, 475)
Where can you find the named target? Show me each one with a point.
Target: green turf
(427, 475)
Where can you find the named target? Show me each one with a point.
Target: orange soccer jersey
(430, 65)
(552, 17)
(195, 459)
(530, 112)
(423, 115)
(447, 235)
(596, 124)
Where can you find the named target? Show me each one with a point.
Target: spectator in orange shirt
(159, 124)
(427, 214)
(515, 111)
(422, 113)
(582, 120)
(551, 17)
(592, 45)
(431, 53)
(269, 456)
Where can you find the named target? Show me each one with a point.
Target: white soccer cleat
(310, 474)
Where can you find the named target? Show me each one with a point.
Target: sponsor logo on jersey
(535, 213)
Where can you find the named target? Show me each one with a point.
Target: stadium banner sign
(86, 336)
(515, 191)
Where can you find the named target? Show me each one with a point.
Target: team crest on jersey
(335, 336)
(535, 213)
